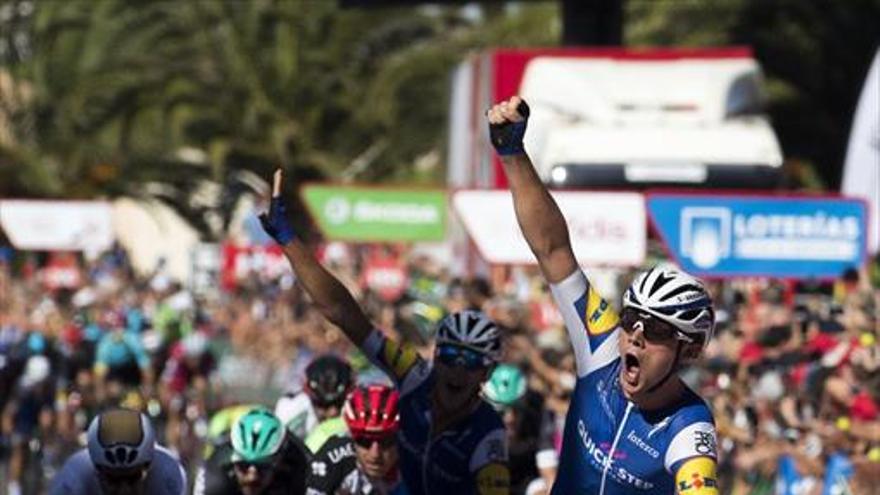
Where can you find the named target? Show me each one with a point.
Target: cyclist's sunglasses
(262, 466)
(453, 355)
(654, 329)
(367, 442)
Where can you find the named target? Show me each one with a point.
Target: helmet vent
(690, 315)
(661, 280)
(680, 290)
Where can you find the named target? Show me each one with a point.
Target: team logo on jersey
(704, 442)
(697, 477)
(599, 317)
(399, 358)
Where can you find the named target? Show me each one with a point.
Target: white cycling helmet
(120, 439)
(471, 329)
(676, 298)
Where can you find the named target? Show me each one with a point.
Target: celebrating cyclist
(365, 461)
(451, 441)
(632, 425)
(122, 458)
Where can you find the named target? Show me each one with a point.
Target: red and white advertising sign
(605, 228)
(385, 276)
(241, 262)
(61, 272)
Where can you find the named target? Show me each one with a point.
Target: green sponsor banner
(376, 214)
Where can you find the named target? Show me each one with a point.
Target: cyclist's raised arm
(588, 318)
(540, 220)
(329, 296)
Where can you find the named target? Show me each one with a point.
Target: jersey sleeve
(491, 449)
(399, 361)
(489, 464)
(591, 323)
(694, 440)
(696, 476)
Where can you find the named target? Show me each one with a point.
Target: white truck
(619, 118)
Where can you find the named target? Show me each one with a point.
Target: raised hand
(507, 126)
(276, 223)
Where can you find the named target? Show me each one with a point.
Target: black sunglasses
(245, 466)
(452, 356)
(654, 329)
(367, 442)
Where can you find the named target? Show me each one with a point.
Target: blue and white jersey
(610, 447)
(78, 476)
(469, 458)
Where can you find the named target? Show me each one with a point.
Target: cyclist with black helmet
(632, 426)
(365, 460)
(122, 458)
(450, 440)
(260, 458)
(328, 379)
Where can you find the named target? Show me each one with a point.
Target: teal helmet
(256, 436)
(506, 385)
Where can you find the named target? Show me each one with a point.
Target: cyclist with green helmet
(529, 427)
(260, 458)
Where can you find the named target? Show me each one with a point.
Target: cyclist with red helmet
(363, 462)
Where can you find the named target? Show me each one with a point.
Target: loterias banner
(745, 236)
(368, 214)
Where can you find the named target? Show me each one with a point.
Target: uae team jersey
(610, 447)
(469, 458)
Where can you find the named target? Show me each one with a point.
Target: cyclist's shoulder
(336, 451)
(78, 465)
(77, 475)
(166, 464)
(693, 409)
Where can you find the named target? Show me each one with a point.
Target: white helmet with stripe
(676, 298)
(471, 329)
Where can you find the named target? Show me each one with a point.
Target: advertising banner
(239, 263)
(57, 225)
(605, 228)
(788, 237)
(365, 214)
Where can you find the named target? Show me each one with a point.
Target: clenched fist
(507, 126)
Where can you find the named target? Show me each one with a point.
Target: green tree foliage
(182, 100)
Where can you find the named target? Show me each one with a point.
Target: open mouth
(631, 368)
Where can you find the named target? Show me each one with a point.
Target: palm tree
(188, 101)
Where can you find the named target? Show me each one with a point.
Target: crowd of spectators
(793, 374)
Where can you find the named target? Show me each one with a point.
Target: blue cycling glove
(276, 224)
(507, 138)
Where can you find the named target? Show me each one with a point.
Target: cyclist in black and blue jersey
(450, 440)
(632, 426)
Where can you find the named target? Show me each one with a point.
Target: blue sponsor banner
(736, 236)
